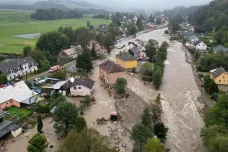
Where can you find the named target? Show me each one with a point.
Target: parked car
(54, 68)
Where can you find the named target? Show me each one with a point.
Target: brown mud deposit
(130, 109)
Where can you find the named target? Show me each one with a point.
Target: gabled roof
(220, 48)
(125, 56)
(104, 29)
(18, 92)
(111, 67)
(70, 51)
(65, 84)
(84, 82)
(217, 72)
(6, 127)
(16, 63)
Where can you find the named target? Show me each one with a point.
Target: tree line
(212, 61)
(215, 132)
(150, 133)
(55, 14)
(157, 55)
(101, 16)
(213, 18)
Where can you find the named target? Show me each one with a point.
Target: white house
(201, 46)
(18, 67)
(81, 87)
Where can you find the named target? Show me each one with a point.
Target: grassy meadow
(14, 23)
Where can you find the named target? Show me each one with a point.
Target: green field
(14, 23)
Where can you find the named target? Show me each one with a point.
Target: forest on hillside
(181, 11)
(55, 14)
(213, 18)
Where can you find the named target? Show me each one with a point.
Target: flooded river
(180, 93)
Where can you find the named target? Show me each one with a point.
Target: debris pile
(102, 121)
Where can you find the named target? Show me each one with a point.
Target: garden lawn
(14, 23)
(16, 113)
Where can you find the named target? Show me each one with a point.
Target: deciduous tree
(157, 78)
(37, 143)
(151, 48)
(53, 42)
(140, 133)
(80, 124)
(85, 141)
(153, 145)
(26, 50)
(64, 117)
(120, 85)
(3, 78)
(84, 61)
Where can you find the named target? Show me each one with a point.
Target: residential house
(138, 52)
(18, 67)
(221, 48)
(71, 52)
(220, 76)
(104, 29)
(126, 60)
(193, 38)
(7, 127)
(81, 87)
(17, 94)
(109, 71)
(187, 34)
(201, 46)
(63, 87)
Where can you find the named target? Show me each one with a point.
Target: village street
(179, 103)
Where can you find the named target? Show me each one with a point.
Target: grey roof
(188, 34)
(104, 29)
(13, 64)
(220, 48)
(135, 51)
(84, 82)
(6, 127)
(125, 56)
(59, 84)
(217, 72)
(111, 67)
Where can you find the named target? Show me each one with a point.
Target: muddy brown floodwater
(179, 92)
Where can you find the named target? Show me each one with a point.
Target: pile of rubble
(101, 121)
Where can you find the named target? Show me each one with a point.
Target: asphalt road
(45, 74)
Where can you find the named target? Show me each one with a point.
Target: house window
(6, 102)
(10, 101)
(75, 88)
(219, 80)
(79, 87)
